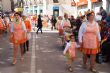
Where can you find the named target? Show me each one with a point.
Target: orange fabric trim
(28, 25)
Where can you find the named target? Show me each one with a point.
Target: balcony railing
(55, 1)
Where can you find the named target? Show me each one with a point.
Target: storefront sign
(82, 2)
(94, 1)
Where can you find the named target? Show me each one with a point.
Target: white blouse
(68, 45)
(82, 30)
(23, 26)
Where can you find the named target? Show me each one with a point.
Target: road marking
(33, 57)
(39, 71)
(25, 72)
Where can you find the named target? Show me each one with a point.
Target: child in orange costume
(28, 27)
(69, 52)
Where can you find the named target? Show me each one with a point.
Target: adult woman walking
(89, 39)
(18, 35)
(39, 26)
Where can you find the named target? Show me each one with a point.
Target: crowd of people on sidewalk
(90, 33)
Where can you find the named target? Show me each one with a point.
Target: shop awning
(82, 2)
(94, 1)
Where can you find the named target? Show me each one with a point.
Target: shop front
(96, 4)
(108, 6)
(56, 11)
(82, 7)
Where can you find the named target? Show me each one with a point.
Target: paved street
(45, 56)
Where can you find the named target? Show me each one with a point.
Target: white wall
(6, 5)
(49, 9)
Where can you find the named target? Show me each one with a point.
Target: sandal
(22, 59)
(70, 69)
(14, 62)
(93, 70)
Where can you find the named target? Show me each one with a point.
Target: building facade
(8, 5)
(84, 5)
(5, 5)
(59, 7)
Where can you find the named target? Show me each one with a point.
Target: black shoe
(70, 69)
(27, 49)
(36, 32)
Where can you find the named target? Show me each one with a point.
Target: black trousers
(26, 46)
(39, 28)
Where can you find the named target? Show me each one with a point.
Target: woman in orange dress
(18, 35)
(59, 25)
(66, 27)
(6, 22)
(89, 39)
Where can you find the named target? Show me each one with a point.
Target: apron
(90, 37)
(19, 35)
(66, 24)
(71, 50)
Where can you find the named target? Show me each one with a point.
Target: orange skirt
(2, 28)
(90, 51)
(61, 31)
(17, 42)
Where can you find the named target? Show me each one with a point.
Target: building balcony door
(56, 11)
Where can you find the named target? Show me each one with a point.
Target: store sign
(94, 1)
(82, 2)
(56, 8)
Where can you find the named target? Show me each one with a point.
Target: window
(41, 11)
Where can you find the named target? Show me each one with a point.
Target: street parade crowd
(90, 33)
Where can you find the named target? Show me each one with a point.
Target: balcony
(55, 1)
